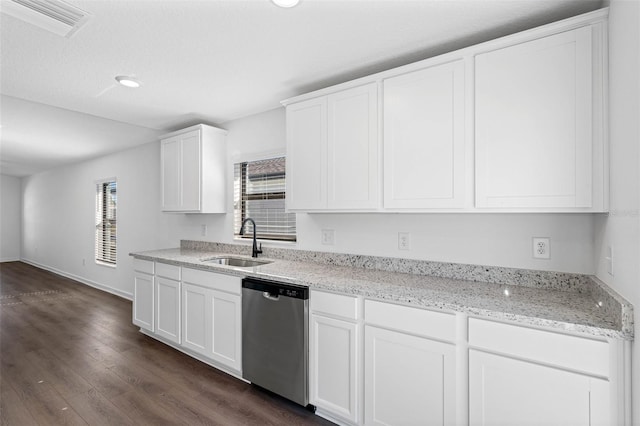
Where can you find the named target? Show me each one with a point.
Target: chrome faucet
(255, 251)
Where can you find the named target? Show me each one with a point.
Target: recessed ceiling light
(128, 81)
(285, 3)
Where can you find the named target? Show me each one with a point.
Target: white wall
(59, 216)
(620, 230)
(10, 218)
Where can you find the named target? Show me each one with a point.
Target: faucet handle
(260, 248)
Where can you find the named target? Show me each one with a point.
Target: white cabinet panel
(424, 138)
(226, 329)
(332, 151)
(143, 300)
(307, 155)
(534, 121)
(505, 391)
(171, 157)
(353, 148)
(212, 319)
(334, 367)
(195, 319)
(167, 309)
(409, 380)
(194, 170)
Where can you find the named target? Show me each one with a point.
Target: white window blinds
(106, 204)
(259, 193)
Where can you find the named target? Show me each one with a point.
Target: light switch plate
(328, 237)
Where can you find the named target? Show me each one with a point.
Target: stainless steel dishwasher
(275, 342)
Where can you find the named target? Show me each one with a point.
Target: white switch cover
(541, 248)
(203, 230)
(328, 237)
(404, 241)
(609, 260)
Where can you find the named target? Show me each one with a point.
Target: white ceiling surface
(214, 61)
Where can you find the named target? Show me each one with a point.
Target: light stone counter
(576, 303)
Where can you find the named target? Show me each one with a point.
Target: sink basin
(236, 261)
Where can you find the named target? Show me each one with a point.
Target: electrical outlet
(83, 262)
(404, 241)
(541, 248)
(609, 260)
(203, 230)
(328, 237)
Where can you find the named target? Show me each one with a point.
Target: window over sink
(259, 193)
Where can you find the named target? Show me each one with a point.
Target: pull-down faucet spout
(255, 250)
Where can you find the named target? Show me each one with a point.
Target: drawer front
(334, 304)
(572, 352)
(168, 271)
(423, 322)
(212, 280)
(144, 266)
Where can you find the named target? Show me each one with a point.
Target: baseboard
(80, 279)
(9, 259)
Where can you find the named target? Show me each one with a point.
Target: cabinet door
(171, 159)
(533, 131)
(307, 155)
(191, 169)
(195, 319)
(506, 391)
(409, 380)
(225, 327)
(353, 148)
(167, 309)
(424, 138)
(181, 169)
(143, 300)
(334, 376)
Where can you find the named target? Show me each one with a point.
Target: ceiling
(214, 61)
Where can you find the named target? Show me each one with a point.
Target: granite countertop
(564, 310)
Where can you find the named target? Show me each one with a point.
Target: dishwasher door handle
(270, 296)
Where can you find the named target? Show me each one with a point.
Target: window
(106, 203)
(259, 193)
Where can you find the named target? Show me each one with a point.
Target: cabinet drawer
(145, 266)
(436, 325)
(168, 271)
(334, 304)
(572, 352)
(212, 280)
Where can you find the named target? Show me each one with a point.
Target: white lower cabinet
(212, 316)
(524, 376)
(409, 378)
(194, 318)
(195, 310)
(143, 292)
(507, 391)
(334, 356)
(167, 307)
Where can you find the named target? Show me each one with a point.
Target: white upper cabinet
(535, 110)
(193, 170)
(424, 138)
(353, 148)
(515, 124)
(332, 151)
(307, 155)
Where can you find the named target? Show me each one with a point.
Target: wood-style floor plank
(70, 355)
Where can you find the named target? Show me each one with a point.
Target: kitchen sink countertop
(575, 311)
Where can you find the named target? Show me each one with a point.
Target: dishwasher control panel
(277, 288)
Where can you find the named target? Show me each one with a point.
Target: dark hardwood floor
(70, 355)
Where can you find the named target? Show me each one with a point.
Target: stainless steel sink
(239, 262)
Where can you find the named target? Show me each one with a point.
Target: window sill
(266, 243)
(105, 264)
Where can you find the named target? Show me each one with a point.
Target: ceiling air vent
(55, 16)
